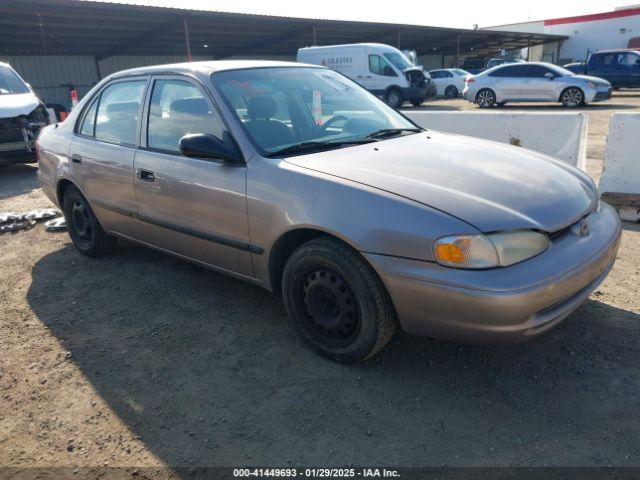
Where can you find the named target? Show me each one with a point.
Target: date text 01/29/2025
(315, 473)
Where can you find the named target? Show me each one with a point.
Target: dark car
(620, 67)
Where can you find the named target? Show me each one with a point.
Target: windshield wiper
(389, 132)
(318, 145)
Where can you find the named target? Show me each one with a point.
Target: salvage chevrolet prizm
(295, 178)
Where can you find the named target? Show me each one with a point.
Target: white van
(381, 69)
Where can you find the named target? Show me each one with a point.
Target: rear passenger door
(102, 152)
(192, 207)
(507, 82)
(605, 65)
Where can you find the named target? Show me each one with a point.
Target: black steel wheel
(83, 226)
(336, 301)
(394, 98)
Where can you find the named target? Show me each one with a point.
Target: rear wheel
(336, 301)
(486, 98)
(394, 98)
(84, 229)
(572, 97)
(451, 92)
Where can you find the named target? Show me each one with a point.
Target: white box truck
(381, 69)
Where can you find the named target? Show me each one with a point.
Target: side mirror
(549, 75)
(207, 146)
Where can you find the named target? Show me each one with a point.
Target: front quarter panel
(283, 197)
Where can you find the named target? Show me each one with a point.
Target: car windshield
(283, 108)
(399, 60)
(10, 82)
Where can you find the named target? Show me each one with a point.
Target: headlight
(488, 251)
(592, 84)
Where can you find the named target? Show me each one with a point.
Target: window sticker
(316, 107)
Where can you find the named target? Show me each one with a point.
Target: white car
(449, 81)
(534, 82)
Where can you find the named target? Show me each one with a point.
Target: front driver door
(193, 207)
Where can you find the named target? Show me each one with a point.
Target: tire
(394, 98)
(451, 92)
(83, 226)
(572, 97)
(336, 301)
(486, 98)
(416, 103)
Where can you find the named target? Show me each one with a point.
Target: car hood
(13, 105)
(489, 185)
(589, 78)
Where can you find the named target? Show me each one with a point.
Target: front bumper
(502, 305)
(18, 152)
(415, 93)
(598, 94)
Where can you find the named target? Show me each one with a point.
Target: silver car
(534, 82)
(298, 180)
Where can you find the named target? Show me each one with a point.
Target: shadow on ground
(207, 371)
(17, 180)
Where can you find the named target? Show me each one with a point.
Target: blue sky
(461, 13)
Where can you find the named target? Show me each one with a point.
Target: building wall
(584, 36)
(51, 75)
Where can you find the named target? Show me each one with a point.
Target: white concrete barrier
(561, 135)
(620, 180)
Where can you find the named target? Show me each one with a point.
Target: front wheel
(572, 97)
(486, 98)
(84, 229)
(394, 98)
(336, 301)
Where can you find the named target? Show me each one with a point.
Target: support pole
(457, 53)
(42, 35)
(315, 41)
(187, 40)
(399, 36)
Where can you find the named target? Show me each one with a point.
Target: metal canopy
(36, 27)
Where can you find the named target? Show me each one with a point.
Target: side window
(446, 74)
(177, 109)
(436, 74)
(510, 71)
(118, 112)
(380, 66)
(628, 60)
(605, 60)
(89, 120)
(533, 71)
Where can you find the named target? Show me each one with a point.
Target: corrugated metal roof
(104, 29)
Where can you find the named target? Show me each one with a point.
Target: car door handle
(146, 176)
(75, 158)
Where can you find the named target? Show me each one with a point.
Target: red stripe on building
(594, 17)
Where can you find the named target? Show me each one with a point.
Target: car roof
(206, 67)
(617, 50)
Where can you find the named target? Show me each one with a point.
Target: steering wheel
(333, 120)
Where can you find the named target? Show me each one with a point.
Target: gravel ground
(141, 360)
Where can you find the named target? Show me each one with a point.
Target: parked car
(383, 70)
(22, 115)
(621, 68)
(534, 82)
(449, 82)
(494, 62)
(298, 180)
